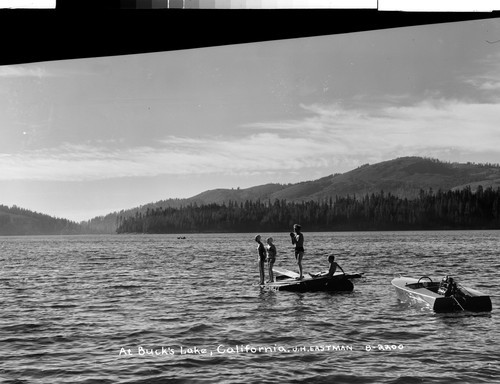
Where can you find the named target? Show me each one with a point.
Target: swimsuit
(262, 252)
(271, 253)
(299, 243)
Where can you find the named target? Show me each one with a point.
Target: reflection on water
(70, 304)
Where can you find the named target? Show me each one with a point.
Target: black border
(70, 33)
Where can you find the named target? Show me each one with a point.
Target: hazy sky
(81, 138)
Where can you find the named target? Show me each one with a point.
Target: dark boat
(442, 296)
(288, 281)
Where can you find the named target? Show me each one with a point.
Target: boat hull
(315, 284)
(414, 292)
(288, 281)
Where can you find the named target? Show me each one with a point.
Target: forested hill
(17, 221)
(460, 209)
(403, 177)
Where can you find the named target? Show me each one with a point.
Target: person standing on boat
(298, 240)
(271, 257)
(262, 258)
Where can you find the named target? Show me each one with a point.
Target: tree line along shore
(459, 209)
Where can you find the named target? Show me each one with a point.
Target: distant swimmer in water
(271, 257)
(262, 258)
(298, 240)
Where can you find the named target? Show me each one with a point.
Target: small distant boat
(442, 296)
(288, 281)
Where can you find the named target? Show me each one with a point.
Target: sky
(87, 137)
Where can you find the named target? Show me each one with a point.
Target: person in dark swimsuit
(298, 240)
(333, 266)
(262, 258)
(271, 257)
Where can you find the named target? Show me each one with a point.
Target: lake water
(157, 309)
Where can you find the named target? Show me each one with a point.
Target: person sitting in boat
(333, 266)
(262, 258)
(271, 257)
(447, 287)
(298, 240)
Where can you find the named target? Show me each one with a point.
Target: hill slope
(17, 221)
(402, 177)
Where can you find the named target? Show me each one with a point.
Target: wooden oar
(458, 303)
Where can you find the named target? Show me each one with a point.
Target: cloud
(23, 71)
(264, 152)
(489, 80)
(486, 84)
(432, 127)
(42, 70)
(176, 156)
(328, 139)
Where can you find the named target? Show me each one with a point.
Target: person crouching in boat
(271, 257)
(298, 240)
(262, 258)
(333, 266)
(447, 287)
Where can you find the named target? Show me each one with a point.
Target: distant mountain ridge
(15, 221)
(403, 177)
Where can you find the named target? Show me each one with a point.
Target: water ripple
(83, 309)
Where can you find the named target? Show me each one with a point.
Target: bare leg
(261, 270)
(271, 274)
(299, 262)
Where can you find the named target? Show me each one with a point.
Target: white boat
(442, 296)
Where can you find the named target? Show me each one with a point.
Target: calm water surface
(156, 309)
